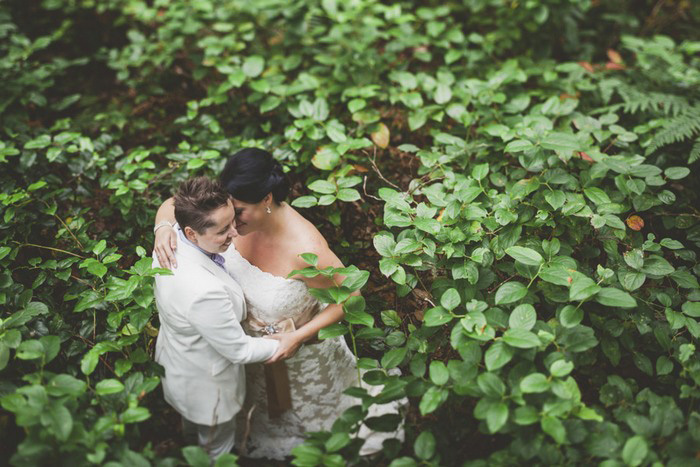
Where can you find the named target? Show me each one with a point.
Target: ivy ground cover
(515, 184)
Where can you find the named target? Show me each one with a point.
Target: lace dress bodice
(271, 298)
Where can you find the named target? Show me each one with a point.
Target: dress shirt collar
(217, 258)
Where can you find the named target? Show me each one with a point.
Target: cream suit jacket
(201, 343)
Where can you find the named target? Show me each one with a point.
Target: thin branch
(379, 173)
(364, 189)
(49, 248)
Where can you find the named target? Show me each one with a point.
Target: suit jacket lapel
(232, 287)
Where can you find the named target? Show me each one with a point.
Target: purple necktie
(218, 259)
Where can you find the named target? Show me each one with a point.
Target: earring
(268, 210)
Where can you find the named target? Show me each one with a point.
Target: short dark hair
(195, 199)
(252, 173)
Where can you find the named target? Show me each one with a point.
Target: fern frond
(679, 128)
(638, 100)
(695, 152)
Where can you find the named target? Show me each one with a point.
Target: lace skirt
(318, 375)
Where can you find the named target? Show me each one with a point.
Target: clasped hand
(289, 345)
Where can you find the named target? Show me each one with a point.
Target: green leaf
(555, 198)
(480, 171)
(38, 142)
(30, 350)
(135, 415)
(597, 195)
(533, 383)
(433, 398)
(611, 296)
(634, 258)
(657, 266)
(196, 456)
(521, 339)
(108, 386)
(582, 287)
(554, 428)
(676, 173)
(561, 368)
(518, 145)
(525, 255)
(450, 299)
(253, 66)
(334, 330)
(393, 357)
(322, 186)
(523, 317)
(348, 195)
(305, 202)
(424, 446)
(497, 355)
(631, 280)
(570, 316)
(4, 355)
(337, 441)
(491, 384)
(436, 316)
(635, 451)
(664, 365)
(510, 292)
(558, 141)
(60, 419)
(691, 309)
(438, 373)
(443, 93)
(326, 158)
(496, 416)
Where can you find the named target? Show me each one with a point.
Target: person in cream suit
(201, 343)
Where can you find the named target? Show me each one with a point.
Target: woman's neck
(275, 222)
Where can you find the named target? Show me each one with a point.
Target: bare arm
(166, 239)
(333, 313)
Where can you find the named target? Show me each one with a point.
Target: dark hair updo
(252, 173)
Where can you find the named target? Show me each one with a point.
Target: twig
(49, 248)
(376, 169)
(364, 189)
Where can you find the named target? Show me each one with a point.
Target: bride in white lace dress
(305, 392)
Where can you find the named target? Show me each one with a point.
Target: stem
(49, 248)
(354, 351)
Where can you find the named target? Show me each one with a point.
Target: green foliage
(497, 165)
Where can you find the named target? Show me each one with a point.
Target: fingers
(173, 247)
(275, 358)
(273, 336)
(163, 258)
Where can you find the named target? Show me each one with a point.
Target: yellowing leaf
(381, 136)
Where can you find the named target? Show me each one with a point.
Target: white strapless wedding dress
(318, 373)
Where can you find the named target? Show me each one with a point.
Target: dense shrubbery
(540, 226)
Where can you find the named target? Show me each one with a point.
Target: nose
(232, 232)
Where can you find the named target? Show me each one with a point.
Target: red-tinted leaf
(635, 222)
(585, 156)
(614, 57)
(587, 66)
(614, 66)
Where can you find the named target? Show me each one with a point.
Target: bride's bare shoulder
(305, 236)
